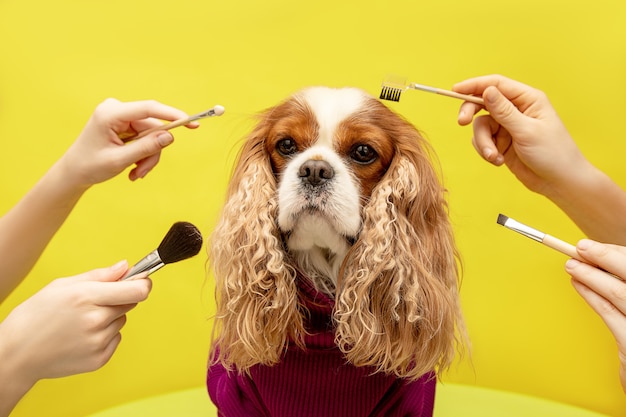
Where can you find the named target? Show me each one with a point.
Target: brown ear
(257, 305)
(398, 305)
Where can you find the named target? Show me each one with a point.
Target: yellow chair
(453, 400)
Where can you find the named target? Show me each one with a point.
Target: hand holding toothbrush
(524, 132)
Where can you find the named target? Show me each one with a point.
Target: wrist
(570, 184)
(67, 173)
(591, 198)
(15, 381)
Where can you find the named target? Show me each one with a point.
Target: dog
(337, 274)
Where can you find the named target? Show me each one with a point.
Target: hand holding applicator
(182, 241)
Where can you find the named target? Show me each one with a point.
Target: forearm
(622, 364)
(10, 395)
(28, 227)
(594, 202)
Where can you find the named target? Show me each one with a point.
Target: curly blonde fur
(258, 308)
(397, 303)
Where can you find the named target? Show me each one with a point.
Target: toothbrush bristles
(390, 93)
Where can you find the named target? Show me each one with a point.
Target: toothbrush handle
(473, 99)
(448, 93)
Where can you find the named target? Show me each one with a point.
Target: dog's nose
(316, 172)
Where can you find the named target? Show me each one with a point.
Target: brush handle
(563, 247)
(441, 91)
(570, 250)
(466, 97)
(215, 111)
(168, 126)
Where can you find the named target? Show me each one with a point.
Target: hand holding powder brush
(181, 242)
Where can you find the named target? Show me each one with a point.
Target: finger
(483, 140)
(109, 274)
(123, 292)
(614, 319)
(477, 85)
(144, 166)
(467, 112)
(602, 283)
(144, 148)
(503, 110)
(111, 313)
(138, 126)
(609, 257)
(138, 110)
(119, 323)
(108, 351)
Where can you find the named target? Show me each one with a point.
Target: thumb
(146, 147)
(502, 110)
(108, 274)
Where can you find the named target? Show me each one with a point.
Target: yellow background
(531, 332)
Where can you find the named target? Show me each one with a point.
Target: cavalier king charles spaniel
(335, 265)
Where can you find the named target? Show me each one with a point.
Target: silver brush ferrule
(525, 230)
(151, 262)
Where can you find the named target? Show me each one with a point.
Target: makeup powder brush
(182, 241)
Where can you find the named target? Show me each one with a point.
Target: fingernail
(165, 138)
(487, 153)
(119, 265)
(571, 264)
(584, 244)
(490, 95)
(139, 174)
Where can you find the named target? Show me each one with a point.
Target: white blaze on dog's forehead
(331, 106)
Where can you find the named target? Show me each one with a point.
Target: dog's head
(333, 185)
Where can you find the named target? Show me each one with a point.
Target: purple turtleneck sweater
(318, 381)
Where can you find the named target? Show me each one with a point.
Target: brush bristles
(390, 93)
(502, 219)
(182, 241)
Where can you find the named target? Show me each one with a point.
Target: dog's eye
(286, 146)
(363, 154)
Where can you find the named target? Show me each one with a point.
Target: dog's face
(327, 154)
(333, 185)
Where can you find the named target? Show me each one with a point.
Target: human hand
(604, 293)
(71, 326)
(99, 154)
(522, 131)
